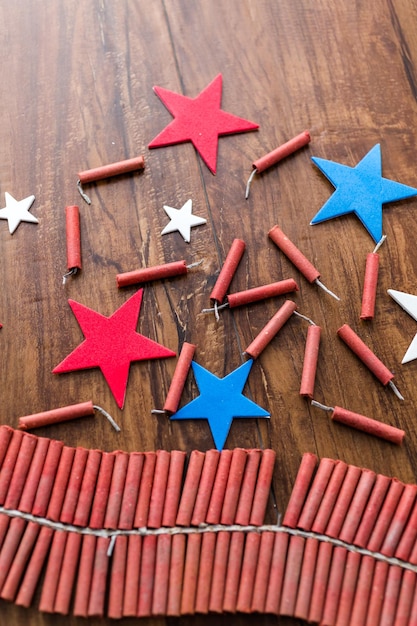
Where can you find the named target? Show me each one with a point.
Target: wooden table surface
(77, 92)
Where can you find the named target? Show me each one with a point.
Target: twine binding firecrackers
(163, 533)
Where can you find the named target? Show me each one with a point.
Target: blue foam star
(221, 400)
(360, 190)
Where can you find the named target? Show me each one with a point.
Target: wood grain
(77, 82)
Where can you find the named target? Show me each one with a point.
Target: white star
(17, 211)
(409, 303)
(182, 220)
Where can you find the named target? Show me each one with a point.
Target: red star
(111, 343)
(199, 120)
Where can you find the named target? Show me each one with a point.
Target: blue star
(360, 190)
(220, 401)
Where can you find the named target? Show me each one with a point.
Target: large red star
(199, 120)
(111, 343)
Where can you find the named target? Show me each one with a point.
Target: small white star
(408, 302)
(182, 220)
(17, 211)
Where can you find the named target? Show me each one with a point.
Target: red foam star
(111, 343)
(199, 120)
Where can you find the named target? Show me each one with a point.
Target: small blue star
(360, 190)
(220, 401)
